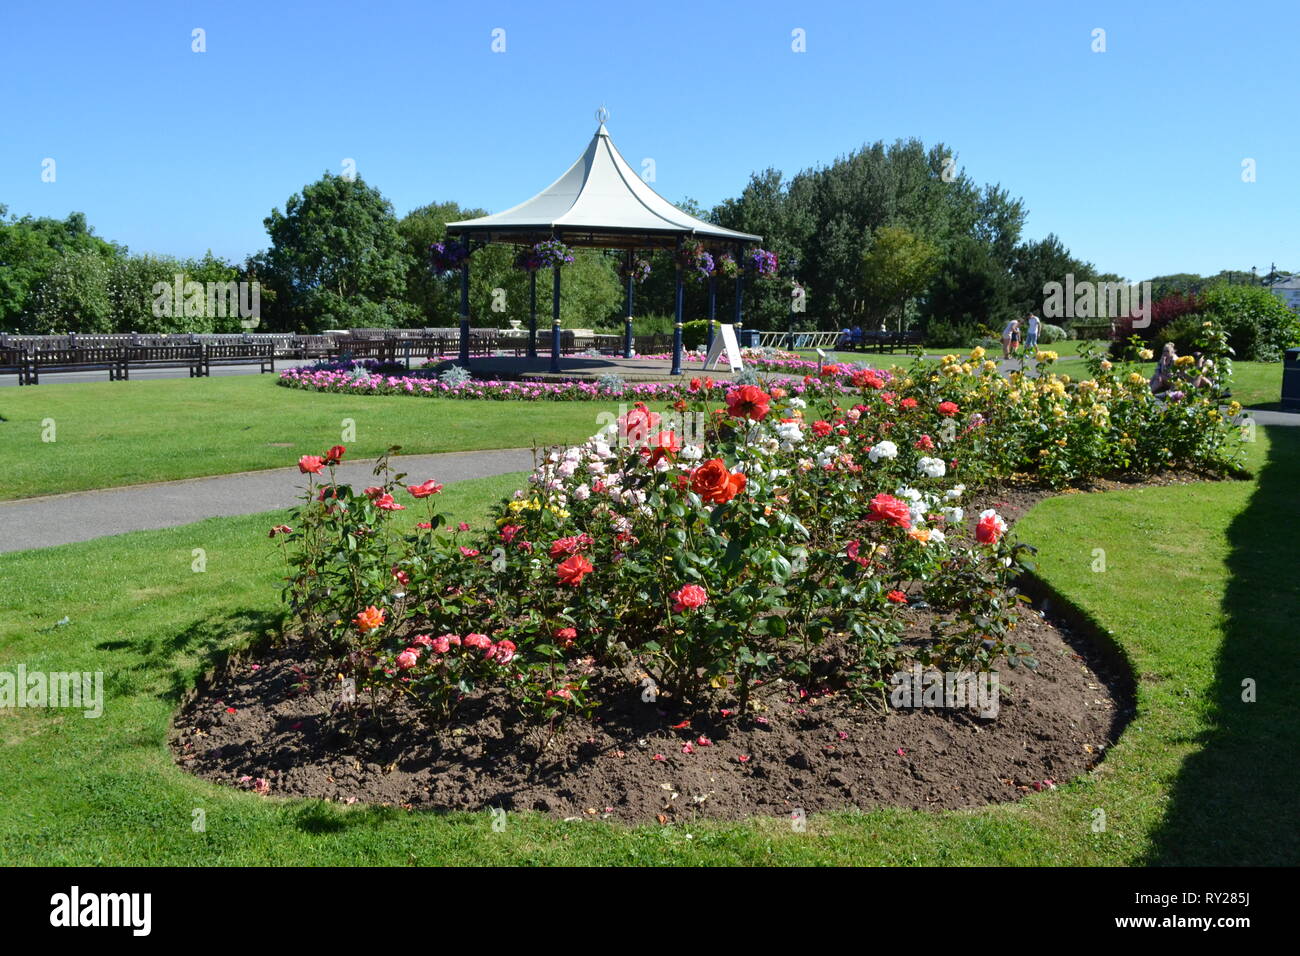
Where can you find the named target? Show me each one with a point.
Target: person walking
(1032, 326)
(1010, 338)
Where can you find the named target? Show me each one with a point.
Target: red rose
(689, 596)
(897, 597)
(311, 464)
(573, 570)
(637, 424)
(891, 510)
(907, 403)
(429, 487)
(948, 409)
(748, 401)
(990, 529)
(821, 429)
(335, 455)
(566, 635)
(867, 379)
(665, 444)
(714, 483)
(566, 546)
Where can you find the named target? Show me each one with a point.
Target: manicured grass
(121, 433)
(1199, 593)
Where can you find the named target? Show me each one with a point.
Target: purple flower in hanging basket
(552, 253)
(695, 262)
(638, 272)
(445, 256)
(763, 262)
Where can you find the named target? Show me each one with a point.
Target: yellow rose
(977, 352)
(1146, 355)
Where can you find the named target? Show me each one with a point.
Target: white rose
(883, 449)
(932, 467)
(953, 515)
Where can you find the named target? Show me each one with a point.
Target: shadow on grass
(170, 662)
(1234, 800)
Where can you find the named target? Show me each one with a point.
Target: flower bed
(365, 383)
(750, 542)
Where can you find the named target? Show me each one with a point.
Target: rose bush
(783, 538)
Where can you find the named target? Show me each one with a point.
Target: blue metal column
(555, 319)
(532, 313)
(464, 312)
(740, 296)
(677, 320)
(713, 307)
(627, 329)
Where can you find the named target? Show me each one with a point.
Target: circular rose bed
(753, 601)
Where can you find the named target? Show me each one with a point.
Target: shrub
(943, 334)
(1047, 334)
(696, 333)
(454, 375)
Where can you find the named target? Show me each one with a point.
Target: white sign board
(725, 339)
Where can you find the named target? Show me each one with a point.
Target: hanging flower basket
(727, 265)
(553, 253)
(638, 271)
(695, 262)
(764, 263)
(446, 256)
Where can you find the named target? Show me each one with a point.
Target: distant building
(1288, 290)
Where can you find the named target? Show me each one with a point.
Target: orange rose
(369, 619)
(714, 483)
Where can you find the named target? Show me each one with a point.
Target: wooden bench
(164, 356)
(240, 353)
(378, 350)
(888, 341)
(13, 361)
(112, 358)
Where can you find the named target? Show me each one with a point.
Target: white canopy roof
(599, 201)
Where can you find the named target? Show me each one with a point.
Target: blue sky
(1132, 156)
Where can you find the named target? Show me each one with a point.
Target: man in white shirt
(1031, 331)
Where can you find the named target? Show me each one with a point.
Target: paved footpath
(82, 515)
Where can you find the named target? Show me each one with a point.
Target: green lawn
(1200, 594)
(121, 433)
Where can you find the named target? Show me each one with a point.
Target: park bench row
(119, 360)
(880, 341)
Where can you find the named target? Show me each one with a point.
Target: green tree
(30, 251)
(896, 267)
(336, 256)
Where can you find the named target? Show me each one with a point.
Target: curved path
(82, 515)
